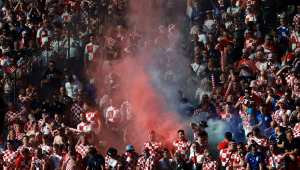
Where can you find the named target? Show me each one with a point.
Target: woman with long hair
(209, 162)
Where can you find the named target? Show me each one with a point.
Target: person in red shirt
(223, 43)
(224, 144)
(24, 161)
(252, 42)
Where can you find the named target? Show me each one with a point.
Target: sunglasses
(269, 39)
(52, 65)
(209, 155)
(204, 53)
(66, 70)
(46, 22)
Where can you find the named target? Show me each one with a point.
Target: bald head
(273, 124)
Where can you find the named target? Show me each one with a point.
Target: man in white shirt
(198, 68)
(74, 87)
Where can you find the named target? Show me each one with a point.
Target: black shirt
(291, 146)
(54, 82)
(17, 54)
(39, 105)
(180, 166)
(235, 55)
(57, 108)
(281, 138)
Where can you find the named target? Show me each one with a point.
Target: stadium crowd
(62, 97)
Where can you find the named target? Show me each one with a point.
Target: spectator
(255, 159)
(74, 87)
(95, 157)
(291, 147)
(72, 160)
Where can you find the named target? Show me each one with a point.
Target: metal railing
(61, 48)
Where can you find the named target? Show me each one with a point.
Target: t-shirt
(267, 118)
(73, 89)
(254, 161)
(291, 146)
(96, 163)
(281, 138)
(54, 82)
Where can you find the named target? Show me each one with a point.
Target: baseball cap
(129, 148)
(151, 131)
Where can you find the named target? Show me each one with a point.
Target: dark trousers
(287, 161)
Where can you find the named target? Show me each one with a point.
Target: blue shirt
(284, 31)
(266, 120)
(20, 30)
(254, 161)
(218, 12)
(200, 14)
(96, 163)
(274, 101)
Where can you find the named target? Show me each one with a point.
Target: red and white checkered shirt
(296, 19)
(13, 116)
(278, 161)
(44, 34)
(297, 130)
(24, 102)
(157, 146)
(42, 161)
(217, 98)
(76, 110)
(91, 51)
(74, 5)
(199, 159)
(67, 16)
(46, 148)
(84, 127)
(19, 135)
(295, 39)
(238, 159)
(110, 43)
(23, 164)
(10, 157)
(93, 117)
(210, 26)
(28, 126)
(200, 115)
(278, 114)
(82, 149)
(172, 30)
(228, 118)
(145, 163)
(113, 114)
(182, 147)
(250, 17)
(92, 25)
(48, 55)
(130, 161)
(69, 163)
(252, 43)
(45, 128)
(263, 141)
(126, 109)
(212, 165)
(56, 160)
(260, 94)
(114, 163)
(224, 156)
(31, 150)
(248, 63)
